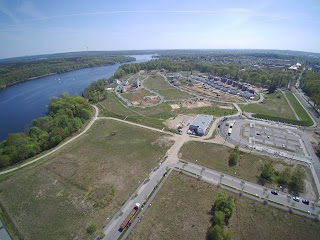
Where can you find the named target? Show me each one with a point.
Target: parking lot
(278, 138)
(274, 139)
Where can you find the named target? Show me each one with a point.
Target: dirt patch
(180, 120)
(194, 104)
(135, 103)
(174, 106)
(226, 107)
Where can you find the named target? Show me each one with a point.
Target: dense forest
(66, 115)
(17, 71)
(259, 76)
(310, 83)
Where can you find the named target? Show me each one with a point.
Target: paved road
(313, 115)
(240, 185)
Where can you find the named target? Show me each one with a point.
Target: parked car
(295, 198)
(305, 201)
(274, 192)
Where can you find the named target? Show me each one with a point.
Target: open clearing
(85, 182)
(274, 105)
(181, 210)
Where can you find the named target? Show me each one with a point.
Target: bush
(216, 233)
(219, 218)
(233, 158)
(91, 228)
(267, 172)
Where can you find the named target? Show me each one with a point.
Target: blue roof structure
(200, 124)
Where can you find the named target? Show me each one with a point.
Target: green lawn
(85, 182)
(273, 106)
(181, 210)
(301, 112)
(157, 83)
(137, 95)
(172, 94)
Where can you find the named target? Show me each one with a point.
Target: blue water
(23, 102)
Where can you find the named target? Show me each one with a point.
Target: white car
(295, 198)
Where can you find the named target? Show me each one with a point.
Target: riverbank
(55, 73)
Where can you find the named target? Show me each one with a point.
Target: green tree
(227, 234)
(219, 218)
(267, 172)
(225, 204)
(233, 158)
(216, 233)
(284, 176)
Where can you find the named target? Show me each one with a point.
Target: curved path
(95, 117)
(57, 148)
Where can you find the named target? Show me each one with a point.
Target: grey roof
(202, 121)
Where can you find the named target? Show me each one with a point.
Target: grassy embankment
(181, 210)
(85, 182)
(301, 112)
(276, 108)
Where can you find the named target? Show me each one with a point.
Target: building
(251, 90)
(135, 83)
(234, 84)
(200, 125)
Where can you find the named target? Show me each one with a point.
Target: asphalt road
(260, 192)
(111, 230)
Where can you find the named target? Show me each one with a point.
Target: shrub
(91, 228)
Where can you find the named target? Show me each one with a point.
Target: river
(25, 101)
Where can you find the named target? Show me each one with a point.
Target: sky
(31, 27)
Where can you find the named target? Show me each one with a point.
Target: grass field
(157, 83)
(271, 106)
(181, 211)
(137, 95)
(171, 94)
(303, 115)
(85, 182)
(216, 157)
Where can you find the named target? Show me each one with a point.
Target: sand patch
(174, 106)
(180, 120)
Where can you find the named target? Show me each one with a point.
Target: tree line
(310, 83)
(13, 72)
(66, 115)
(258, 76)
(293, 179)
(222, 210)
